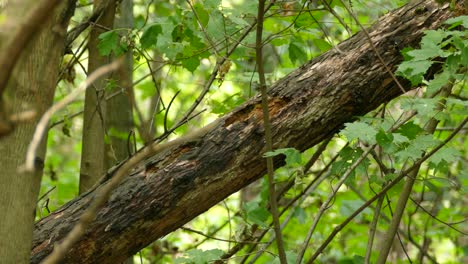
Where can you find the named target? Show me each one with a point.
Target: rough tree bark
(30, 87)
(306, 106)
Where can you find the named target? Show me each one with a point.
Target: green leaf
(279, 42)
(428, 53)
(109, 41)
(409, 130)
(215, 26)
(303, 20)
(457, 106)
(296, 54)
(447, 154)
(424, 106)
(257, 214)
(399, 138)
(439, 80)
(198, 256)
(172, 49)
(191, 63)
(293, 156)
(432, 39)
(413, 70)
(211, 3)
(150, 36)
(322, 44)
(202, 14)
(239, 21)
(456, 21)
(384, 139)
(359, 130)
(416, 148)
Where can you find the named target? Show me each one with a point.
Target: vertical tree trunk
(31, 86)
(92, 154)
(119, 120)
(119, 107)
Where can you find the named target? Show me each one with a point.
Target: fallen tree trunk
(306, 106)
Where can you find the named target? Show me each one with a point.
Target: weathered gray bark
(30, 87)
(306, 106)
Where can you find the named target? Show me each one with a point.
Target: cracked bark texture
(306, 106)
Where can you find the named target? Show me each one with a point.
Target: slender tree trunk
(93, 149)
(119, 108)
(30, 87)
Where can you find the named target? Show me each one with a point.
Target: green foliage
(150, 36)
(359, 130)
(293, 156)
(197, 256)
(436, 45)
(256, 214)
(110, 42)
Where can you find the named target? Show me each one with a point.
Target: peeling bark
(306, 106)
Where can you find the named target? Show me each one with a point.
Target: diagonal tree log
(306, 106)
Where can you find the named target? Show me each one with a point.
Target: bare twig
(216, 238)
(268, 137)
(432, 215)
(326, 204)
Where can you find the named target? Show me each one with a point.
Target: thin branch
(216, 238)
(312, 186)
(75, 32)
(450, 225)
(326, 204)
(200, 25)
(373, 229)
(333, 12)
(268, 137)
